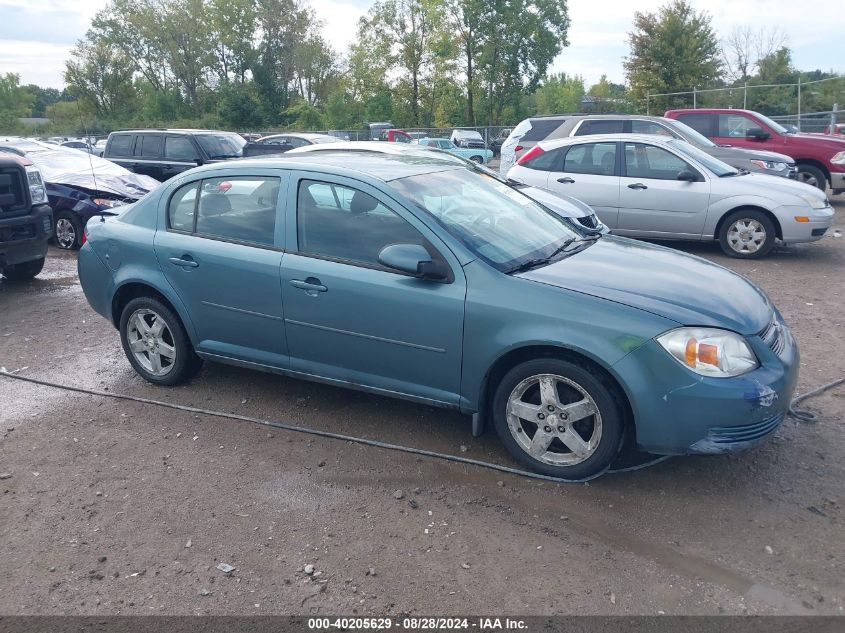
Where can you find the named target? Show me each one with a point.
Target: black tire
(609, 419)
(23, 271)
(812, 176)
(728, 234)
(186, 362)
(477, 159)
(68, 231)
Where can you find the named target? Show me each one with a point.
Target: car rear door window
(121, 145)
(648, 161)
(600, 126)
(179, 148)
(340, 222)
(591, 158)
(148, 146)
(238, 208)
(547, 161)
(701, 123)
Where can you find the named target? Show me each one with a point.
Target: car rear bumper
(679, 412)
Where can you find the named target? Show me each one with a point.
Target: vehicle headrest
(214, 204)
(362, 203)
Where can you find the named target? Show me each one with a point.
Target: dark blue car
(79, 185)
(421, 278)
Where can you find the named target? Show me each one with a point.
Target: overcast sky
(37, 35)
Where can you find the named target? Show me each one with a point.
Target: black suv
(26, 221)
(163, 154)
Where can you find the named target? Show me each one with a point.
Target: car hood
(686, 289)
(775, 188)
(748, 154)
(828, 140)
(562, 205)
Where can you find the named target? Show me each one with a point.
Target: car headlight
(107, 202)
(814, 202)
(768, 164)
(37, 191)
(838, 158)
(709, 351)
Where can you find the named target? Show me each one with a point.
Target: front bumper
(24, 238)
(677, 411)
(837, 180)
(820, 220)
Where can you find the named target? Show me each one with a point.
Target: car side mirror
(413, 259)
(756, 134)
(687, 175)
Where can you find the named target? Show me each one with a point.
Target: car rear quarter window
(649, 127)
(701, 123)
(345, 223)
(121, 145)
(180, 211)
(239, 208)
(598, 159)
(541, 129)
(648, 161)
(600, 126)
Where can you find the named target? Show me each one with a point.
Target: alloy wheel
(554, 420)
(746, 236)
(151, 342)
(808, 178)
(65, 233)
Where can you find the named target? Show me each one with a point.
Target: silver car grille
(774, 335)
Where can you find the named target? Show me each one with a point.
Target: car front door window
(179, 148)
(648, 161)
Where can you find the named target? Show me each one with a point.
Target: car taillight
(518, 148)
(531, 153)
(84, 236)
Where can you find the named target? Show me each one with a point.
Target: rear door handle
(186, 261)
(565, 180)
(637, 185)
(311, 285)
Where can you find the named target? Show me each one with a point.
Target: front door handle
(186, 261)
(565, 180)
(637, 185)
(311, 285)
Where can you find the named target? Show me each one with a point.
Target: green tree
(15, 101)
(672, 50)
(559, 93)
(101, 76)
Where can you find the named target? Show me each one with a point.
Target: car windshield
(690, 135)
(713, 164)
(502, 226)
(469, 135)
(222, 145)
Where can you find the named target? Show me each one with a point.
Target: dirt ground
(115, 507)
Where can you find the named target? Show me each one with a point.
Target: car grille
(791, 171)
(12, 196)
(774, 336)
(474, 144)
(590, 221)
(724, 435)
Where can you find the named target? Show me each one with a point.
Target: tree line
(262, 64)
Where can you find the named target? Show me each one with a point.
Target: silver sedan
(649, 187)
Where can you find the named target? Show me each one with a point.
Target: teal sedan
(475, 154)
(420, 278)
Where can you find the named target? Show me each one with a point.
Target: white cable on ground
(801, 415)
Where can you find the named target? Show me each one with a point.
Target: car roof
(176, 130)
(654, 139)
(384, 167)
(305, 135)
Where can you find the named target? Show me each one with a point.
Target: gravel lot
(120, 507)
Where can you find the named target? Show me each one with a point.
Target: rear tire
(558, 418)
(24, 271)
(812, 176)
(747, 234)
(156, 344)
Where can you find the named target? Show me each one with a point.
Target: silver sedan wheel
(746, 236)
(65, 233)
(151, 342)
(554, 420)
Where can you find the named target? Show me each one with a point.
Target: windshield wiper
(534, 263)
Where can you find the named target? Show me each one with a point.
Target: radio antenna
(88, 143)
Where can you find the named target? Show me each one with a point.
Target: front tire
(24, 271)
(155, 342)
(812, 176)
(476, 159)
(68, 231)
(557, 418)
(747, 234)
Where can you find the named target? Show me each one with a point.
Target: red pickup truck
(820, 159)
